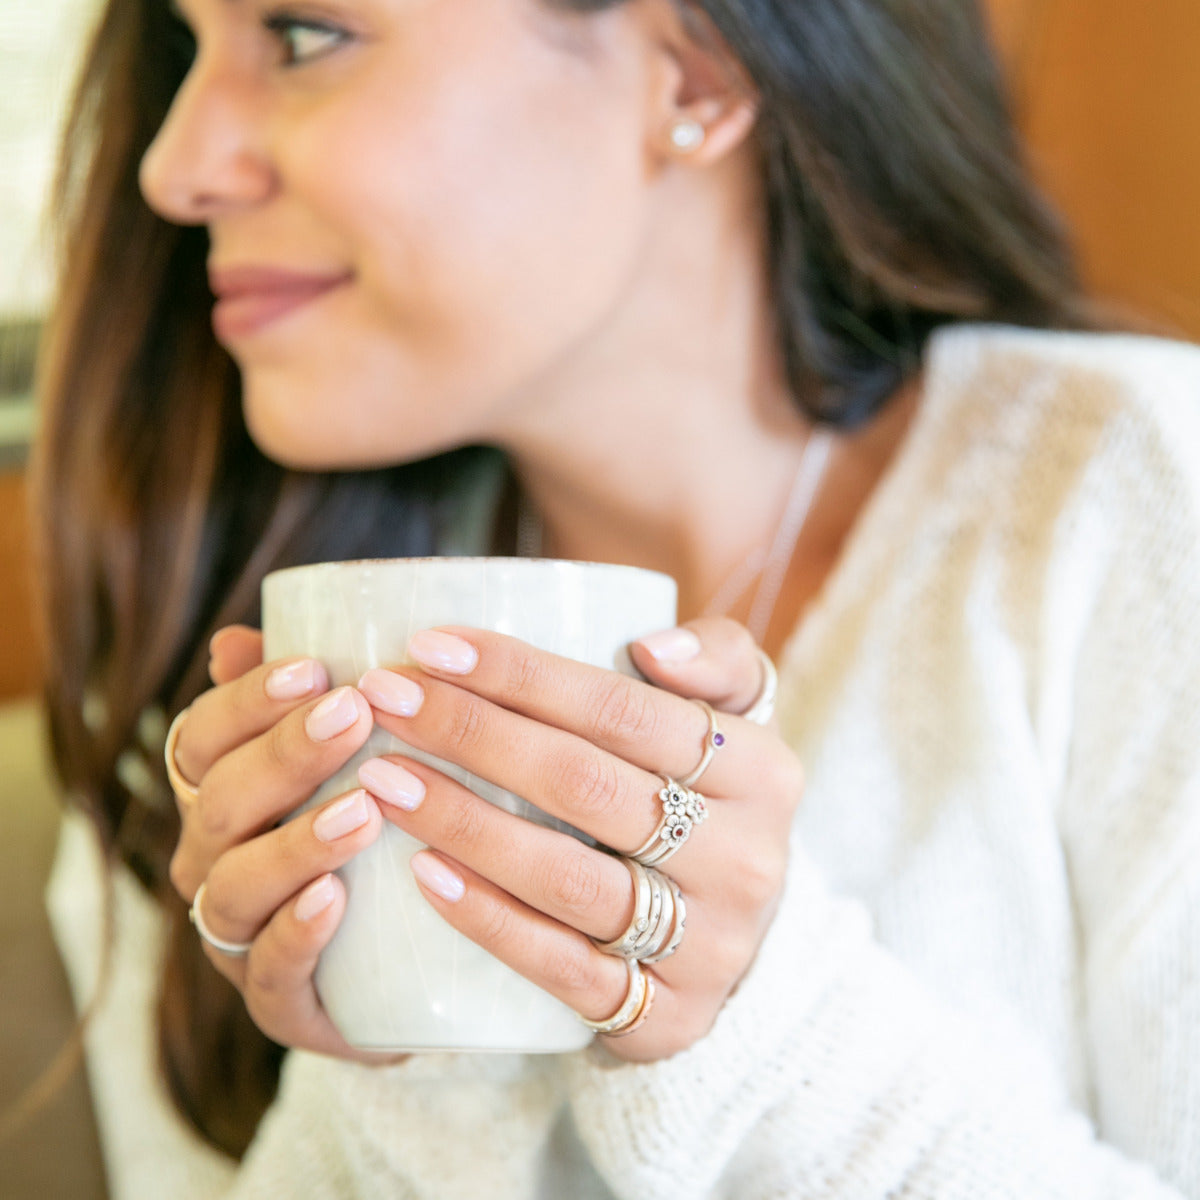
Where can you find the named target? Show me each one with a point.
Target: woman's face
(419, 210)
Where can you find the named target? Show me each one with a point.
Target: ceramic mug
(396, 976)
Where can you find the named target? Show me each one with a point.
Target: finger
(560, 960)
(233, 712)
(233, 651)
(253, 786)
(250, 881)
(278, 981)
(634, 721)
(710, 658)
(728, 884)
(549, 870)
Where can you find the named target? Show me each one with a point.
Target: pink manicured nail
(436, 876)
(292, 680)
(443, 652)
(315, 898)
(342, 817)
(672, 645)
(391, 783)
(335, 714)
(395, 694)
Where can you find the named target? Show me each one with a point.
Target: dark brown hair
(896, 201)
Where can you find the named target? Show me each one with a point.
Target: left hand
(585, 745)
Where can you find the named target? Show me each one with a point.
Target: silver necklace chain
(768, 563)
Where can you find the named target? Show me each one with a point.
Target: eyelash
(283, 26)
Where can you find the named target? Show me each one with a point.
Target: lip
(249, 297)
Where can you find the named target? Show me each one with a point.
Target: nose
(208, 159)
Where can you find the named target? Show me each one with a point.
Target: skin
(524, 255)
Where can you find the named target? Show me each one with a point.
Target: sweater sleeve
(834, 1072)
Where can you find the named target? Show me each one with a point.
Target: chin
(287, 433)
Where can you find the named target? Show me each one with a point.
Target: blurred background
(1108, 96)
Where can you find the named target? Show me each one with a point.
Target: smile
(248, 299)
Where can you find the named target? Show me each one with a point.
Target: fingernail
(436, 876)
(395, 694)
(391, 783)
(292, 680)
(315, 898)
(342, 817)
(672, 645)
(335, 714)
(443, 652)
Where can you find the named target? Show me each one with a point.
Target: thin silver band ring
(714, 739)
(762, 707)
(229, 949)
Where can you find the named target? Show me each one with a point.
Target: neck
(668, 439)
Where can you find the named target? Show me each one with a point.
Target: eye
(303, 39)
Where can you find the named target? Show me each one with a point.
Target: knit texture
(984, 976)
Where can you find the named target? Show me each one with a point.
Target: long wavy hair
(897, 200)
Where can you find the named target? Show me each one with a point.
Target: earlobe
(705, 141)
(707, 105)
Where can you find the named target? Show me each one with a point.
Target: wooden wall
(19, 656)
(1109, 98)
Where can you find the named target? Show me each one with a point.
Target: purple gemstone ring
(714, 739)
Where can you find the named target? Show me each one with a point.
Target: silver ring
(762, 707)
(634, 1008)
(185, 790)
(682, 810)
(714, 739)
(676, 931)
(624, 945)
(230, 949)
(659, 914)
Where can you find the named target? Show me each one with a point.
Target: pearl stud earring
(687, 134)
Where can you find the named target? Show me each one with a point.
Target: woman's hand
(257, 746)
(586, 745)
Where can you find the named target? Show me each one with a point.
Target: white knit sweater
(984, 977)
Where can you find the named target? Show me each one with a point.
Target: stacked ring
(714, 739)
(682, 809)
(659, 916)
(184, 788)
(635, 1008)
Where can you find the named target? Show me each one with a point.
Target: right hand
(257, 745)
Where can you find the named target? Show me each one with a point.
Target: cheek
(487, 236)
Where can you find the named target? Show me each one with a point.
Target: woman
(684, 287)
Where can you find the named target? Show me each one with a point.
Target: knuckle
(589, 781)
(465, 728)
(758, 880)
(524, 674)
(279, 746)
(575, 883)
(623, 712)
(217, 913)
(182, 876)
(211, 817)
(497, 926)
(466, 823)
(264, 991)
(575, 970)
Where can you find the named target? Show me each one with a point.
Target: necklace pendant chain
(769, 563)
(773, 562)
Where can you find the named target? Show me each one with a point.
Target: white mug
(396, 976)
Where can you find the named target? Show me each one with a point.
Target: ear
(702, 104)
